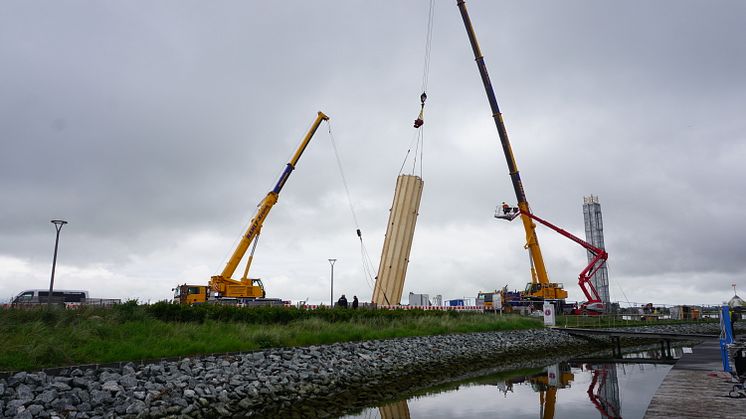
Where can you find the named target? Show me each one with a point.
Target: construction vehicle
(593, 305)
(504, 300)
(191, 294)
(246, 290)
(490, 301)
(540, 288)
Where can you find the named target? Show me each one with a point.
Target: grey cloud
(146, 123)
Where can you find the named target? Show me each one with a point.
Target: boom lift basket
(504, 212)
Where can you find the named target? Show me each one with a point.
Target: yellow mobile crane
(540, 288)
(246, 289)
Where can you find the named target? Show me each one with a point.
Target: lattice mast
(594, 234)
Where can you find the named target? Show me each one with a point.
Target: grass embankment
(40, 338)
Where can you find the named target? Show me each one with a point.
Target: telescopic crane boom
(245, 290)
(541, 288)
(223, 284)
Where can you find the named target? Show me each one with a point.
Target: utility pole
(331, 293)
(58, 226)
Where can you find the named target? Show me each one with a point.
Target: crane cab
(190, 294)
(549, 291)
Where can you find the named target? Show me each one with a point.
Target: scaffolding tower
(594, 234)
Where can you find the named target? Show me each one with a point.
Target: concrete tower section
(398, 242)
(594, 234)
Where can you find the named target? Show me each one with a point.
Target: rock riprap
(265, 381)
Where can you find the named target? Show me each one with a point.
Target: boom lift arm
(223, 284)
(539, 276)
(599, 258)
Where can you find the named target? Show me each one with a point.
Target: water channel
(577, 389)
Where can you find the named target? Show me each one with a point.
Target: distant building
(419, 299)
(594, 234)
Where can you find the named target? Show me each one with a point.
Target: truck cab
(190, 294)
(490, 301)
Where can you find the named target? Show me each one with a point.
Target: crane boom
(221, 283)
(539, 275)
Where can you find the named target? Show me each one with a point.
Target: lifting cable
(618, 285)
(417, 143)
(418, 139)
(366, 262)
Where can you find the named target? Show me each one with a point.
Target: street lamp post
(57, 225)
(331, 294)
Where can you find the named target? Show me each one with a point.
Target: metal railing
(619, 320)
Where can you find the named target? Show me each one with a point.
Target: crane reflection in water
(603, 392)
(578, 389)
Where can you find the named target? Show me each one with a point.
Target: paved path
(696, 387)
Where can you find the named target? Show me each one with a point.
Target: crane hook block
(420, 121)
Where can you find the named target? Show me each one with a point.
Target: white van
(58, 297)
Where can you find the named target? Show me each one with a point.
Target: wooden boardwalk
(696, 387)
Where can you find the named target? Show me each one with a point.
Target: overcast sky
(155, 128)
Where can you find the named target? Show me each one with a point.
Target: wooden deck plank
(697, 388)
(695, 394)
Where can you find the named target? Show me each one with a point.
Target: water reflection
(546, 384)
(394, 410)
(604, 390)
(587, 388)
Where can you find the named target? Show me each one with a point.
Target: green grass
(34, 339)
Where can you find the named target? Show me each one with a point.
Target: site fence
(439, 308)
(403, 307)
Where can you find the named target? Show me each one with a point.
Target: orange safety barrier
(406, 307)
